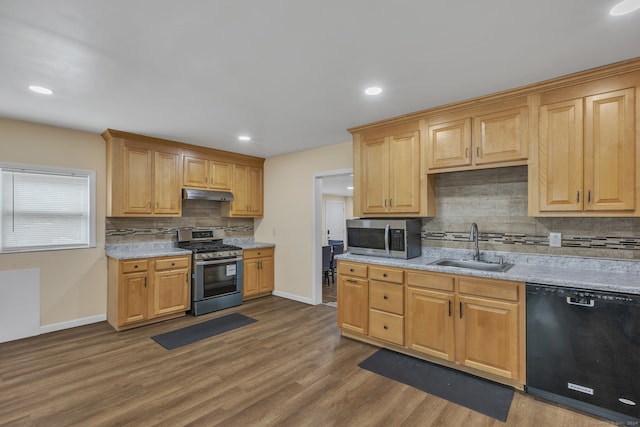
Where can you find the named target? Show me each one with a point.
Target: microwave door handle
(386, 238)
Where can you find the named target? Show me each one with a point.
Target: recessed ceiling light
(40, 89)
(244, 138)
(373, 90)
(624, 7)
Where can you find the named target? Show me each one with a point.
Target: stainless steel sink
(473, 265)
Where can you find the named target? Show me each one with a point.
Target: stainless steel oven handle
(219, 261)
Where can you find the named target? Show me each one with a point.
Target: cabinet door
(255, 191)
(404, 173)
(266, 273)
(353, 304)
(170, 292)
(560, 156)
(251, 277)
(487, 335)
(132, 298)
(195, 172)
(374, 182)
(167, 184)
(219, 176)
(609, 151)
(501, 136)
(430, 323)
(449, 144)
(137, 194)
(240, 204)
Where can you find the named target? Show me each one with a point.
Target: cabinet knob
(172, 264)
(384, 274)
(135, 266)
(351, 270)
(385, 327)
(385, 297)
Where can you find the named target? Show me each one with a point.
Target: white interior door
(335, 220)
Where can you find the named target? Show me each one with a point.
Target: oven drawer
(172, 263)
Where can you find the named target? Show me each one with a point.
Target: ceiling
(289, 73)
(338, 185)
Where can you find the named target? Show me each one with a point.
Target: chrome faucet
(473, 237)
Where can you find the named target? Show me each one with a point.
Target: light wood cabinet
(386, 304)
(258, 272)
(142, 180)
(353, 297)
(586, 154)
(247, 188)
(144, 291)
(200, 172)
(487, 136)
(388, 173)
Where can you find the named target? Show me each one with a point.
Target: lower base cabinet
(258, 272)
(472, 324)
(147, 290)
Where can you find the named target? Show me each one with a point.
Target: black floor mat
(191, 334)
(475, 393)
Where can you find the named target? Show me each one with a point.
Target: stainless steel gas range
(216, 279)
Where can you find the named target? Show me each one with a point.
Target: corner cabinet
(585, 150)
(247, 188)
(472, 324)
(491, 135)
(148, 290)
(258, 272)
(143, 179)
(389, 177)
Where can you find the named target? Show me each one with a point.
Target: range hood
(219, 196)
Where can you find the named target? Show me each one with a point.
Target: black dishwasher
(583, 350)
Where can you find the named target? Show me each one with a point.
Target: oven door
(216, 278)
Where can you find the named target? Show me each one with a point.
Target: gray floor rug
(194, 333)
(477, 394)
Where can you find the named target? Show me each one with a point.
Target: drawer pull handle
(385, 327)
(385, 297)
(351, 270)
(351, 281)
(384, 274)
(172, 264)
(135, 266)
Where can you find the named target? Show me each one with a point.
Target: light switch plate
(555, 240)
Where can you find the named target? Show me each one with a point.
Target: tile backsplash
(496, 199)
(195, 214)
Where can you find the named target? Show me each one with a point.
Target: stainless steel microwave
(393, 238)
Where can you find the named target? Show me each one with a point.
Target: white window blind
(44, 209)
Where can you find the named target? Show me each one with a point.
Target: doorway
(329, 186)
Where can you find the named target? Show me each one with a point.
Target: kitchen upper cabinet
(491, 135)
(586, 157)
(353, 297)
(142, 179)
(207, 173)
(258, 271)
(247, 188)
(388, 173)
(148, 290)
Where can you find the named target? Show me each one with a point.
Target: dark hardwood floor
(329, 292)
(291, 368)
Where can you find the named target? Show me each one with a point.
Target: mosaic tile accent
(596, 242)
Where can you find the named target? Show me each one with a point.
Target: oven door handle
(219, 261)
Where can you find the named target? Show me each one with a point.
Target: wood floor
(291, 368)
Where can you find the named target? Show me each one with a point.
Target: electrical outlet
(555, 240)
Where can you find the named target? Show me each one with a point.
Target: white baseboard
(292, 297)
(72, 323)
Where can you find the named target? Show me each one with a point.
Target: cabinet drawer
(386, 326)
(500, 289)
(433, 281)
(352, 269)
(387, 274)
(171, 263)
(386, 297)
(257, 253)
(134, 265)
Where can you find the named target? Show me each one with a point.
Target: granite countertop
(613, 275)
(143, 250)
(248, 243)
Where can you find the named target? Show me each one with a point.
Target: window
(46, 208)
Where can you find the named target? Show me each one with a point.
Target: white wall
(73, 283)
(288, 213)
